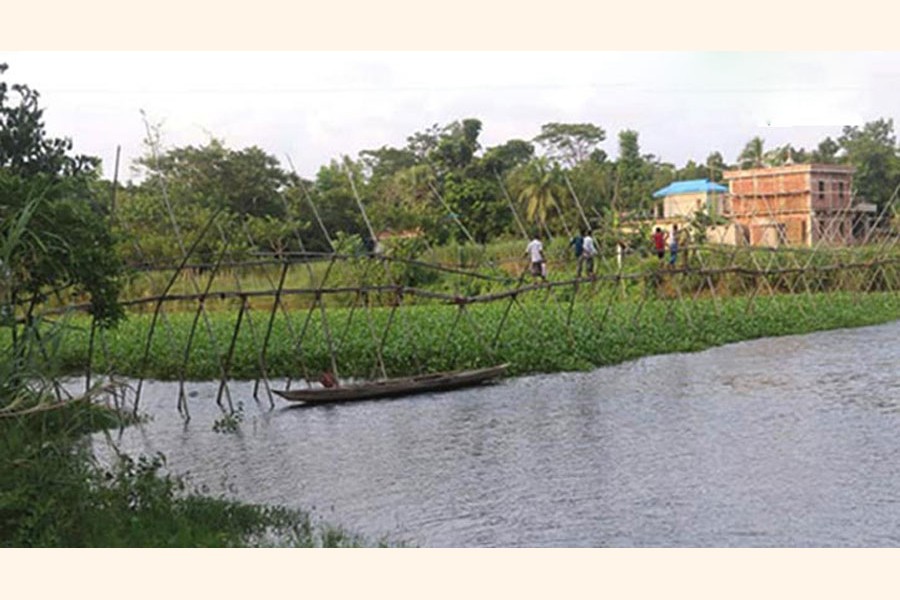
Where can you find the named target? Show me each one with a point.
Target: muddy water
(778, 442)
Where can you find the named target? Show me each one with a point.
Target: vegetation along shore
(220, 263)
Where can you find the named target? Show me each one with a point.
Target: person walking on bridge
(577, 244)
(659, 244)
(535, 251)
(588, 253)
(673, 246)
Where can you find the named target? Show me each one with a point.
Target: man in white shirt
(535, 251)
(589, 251)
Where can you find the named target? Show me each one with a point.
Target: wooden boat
(402, 386)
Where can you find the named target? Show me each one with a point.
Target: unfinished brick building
(798, 205)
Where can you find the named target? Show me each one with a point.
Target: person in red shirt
(659, 243)
(329, 380)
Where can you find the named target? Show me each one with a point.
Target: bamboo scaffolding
(456, 299)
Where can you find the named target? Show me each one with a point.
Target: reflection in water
(776, 442)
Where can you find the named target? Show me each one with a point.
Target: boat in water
(392, 388)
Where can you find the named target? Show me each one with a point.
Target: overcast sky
(316, 106)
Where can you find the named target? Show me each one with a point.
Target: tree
(753, 155)
(474, 201)
(872, 149)
(570, 143)
(498, 160)
(246, 191)
(715, 166)
(633, 186)
(62, 241)
(335, 202)
(439, 179)
(593, 185)
(422, 143)
(826, 152)
(386, 161)
(692, 170)
(457, 145)
(782, 155)
(246, 182)
(541, 190)
(147, 236)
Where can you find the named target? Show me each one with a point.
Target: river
(781, 442)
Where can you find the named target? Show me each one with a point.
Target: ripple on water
(776, 442)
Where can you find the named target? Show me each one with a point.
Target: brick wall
(795, 204)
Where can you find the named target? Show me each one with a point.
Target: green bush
(53, 493)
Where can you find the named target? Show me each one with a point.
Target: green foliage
(25, 149)
(540, 188)
(826, 152)
(457, 145)
(53, 233)
(716, 166)
(872, 149)
(499, 160)
(753, 155)
(534, 336)
(409, 271)
(475, 199)
(634, 175)
(246, 182)
(386, 161)
(260, 206)
(593, 183)
(335, 201)
(570, 143)
(700, 223)
(53, 493)
(231, 422)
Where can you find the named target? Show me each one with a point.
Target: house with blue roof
(681, 199)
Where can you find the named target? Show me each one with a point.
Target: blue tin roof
(691, 186)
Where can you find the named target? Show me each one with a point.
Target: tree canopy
(443, 183)
(53, 228)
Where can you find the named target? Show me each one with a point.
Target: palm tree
(753, 154)
(542, 190)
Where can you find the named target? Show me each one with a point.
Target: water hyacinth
(534, 334)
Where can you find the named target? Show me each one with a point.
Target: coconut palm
(753, 154)
(542, 190)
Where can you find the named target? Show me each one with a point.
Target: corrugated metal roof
(691, 186)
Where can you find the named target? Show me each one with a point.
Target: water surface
(790, 441)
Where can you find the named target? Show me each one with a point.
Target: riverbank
(770, 442)
(54, 493)
(551, 335)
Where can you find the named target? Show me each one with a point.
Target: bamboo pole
(159, 304)
(229, 355)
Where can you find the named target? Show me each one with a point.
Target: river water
(786, 442)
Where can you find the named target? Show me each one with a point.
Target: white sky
(316, 106)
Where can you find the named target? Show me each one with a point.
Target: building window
(841, 190)
(821, 190)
